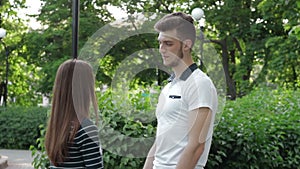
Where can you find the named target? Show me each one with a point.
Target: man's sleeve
(201, 94)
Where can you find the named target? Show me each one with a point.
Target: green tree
(283, 46)
(50, 45)
(249, 34)
(22, 75)
(253, 38)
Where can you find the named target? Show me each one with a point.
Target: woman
(72, 139)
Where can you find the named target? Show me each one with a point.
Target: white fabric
(176, 100)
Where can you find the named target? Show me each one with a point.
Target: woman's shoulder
(87, 121)
(87, 129)
(87, 125)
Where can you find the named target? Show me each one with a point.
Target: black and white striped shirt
(85, 151)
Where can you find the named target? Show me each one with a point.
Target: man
(187, 105)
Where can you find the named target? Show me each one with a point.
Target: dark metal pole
(201, 37)
(6, 76)
(75, 28)
(6, 73)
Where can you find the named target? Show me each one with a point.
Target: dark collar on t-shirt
(185, 74)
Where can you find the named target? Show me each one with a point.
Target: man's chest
(172, 104)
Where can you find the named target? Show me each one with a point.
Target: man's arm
(150, 158)
(199, 120)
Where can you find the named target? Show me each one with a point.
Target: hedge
(260, 130)
(19, 126)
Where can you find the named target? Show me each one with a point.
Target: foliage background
(260, 130)
(257, 41)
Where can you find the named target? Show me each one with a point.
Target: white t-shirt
(176, 100)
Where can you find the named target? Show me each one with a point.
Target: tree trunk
(225, 62)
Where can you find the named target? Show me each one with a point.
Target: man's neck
(179, 69)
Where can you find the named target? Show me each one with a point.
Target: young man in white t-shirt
(188, 103)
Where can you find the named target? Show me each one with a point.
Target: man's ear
(187, 44)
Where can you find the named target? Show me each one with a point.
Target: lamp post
(198, 14)
(75, 27)
(2, 35)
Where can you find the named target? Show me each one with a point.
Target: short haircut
(179, 21)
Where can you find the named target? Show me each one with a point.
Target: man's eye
(169, 43)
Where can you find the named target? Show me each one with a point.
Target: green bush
(40, 159)
(125, 114)
(260, 130)
(20, 126)
(126, 127)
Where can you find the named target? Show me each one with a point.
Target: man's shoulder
(199, 77)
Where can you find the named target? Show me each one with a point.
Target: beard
(179, 55)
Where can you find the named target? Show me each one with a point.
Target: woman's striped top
(85, 151)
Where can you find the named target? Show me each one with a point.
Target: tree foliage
(257, 41)
(253, 37)
(53, 42)
(23, 76)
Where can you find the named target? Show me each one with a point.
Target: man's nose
(162, 48)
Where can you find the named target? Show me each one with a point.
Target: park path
(18, 159)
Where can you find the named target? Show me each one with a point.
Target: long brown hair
(73, 93)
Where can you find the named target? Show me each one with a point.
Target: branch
(136, 29)
(219, 42)
(238, 46)
(166, 6)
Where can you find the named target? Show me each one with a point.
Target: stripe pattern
(85, 151)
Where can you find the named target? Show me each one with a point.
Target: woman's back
(85, 150)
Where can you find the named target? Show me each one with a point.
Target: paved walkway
(18, 159)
